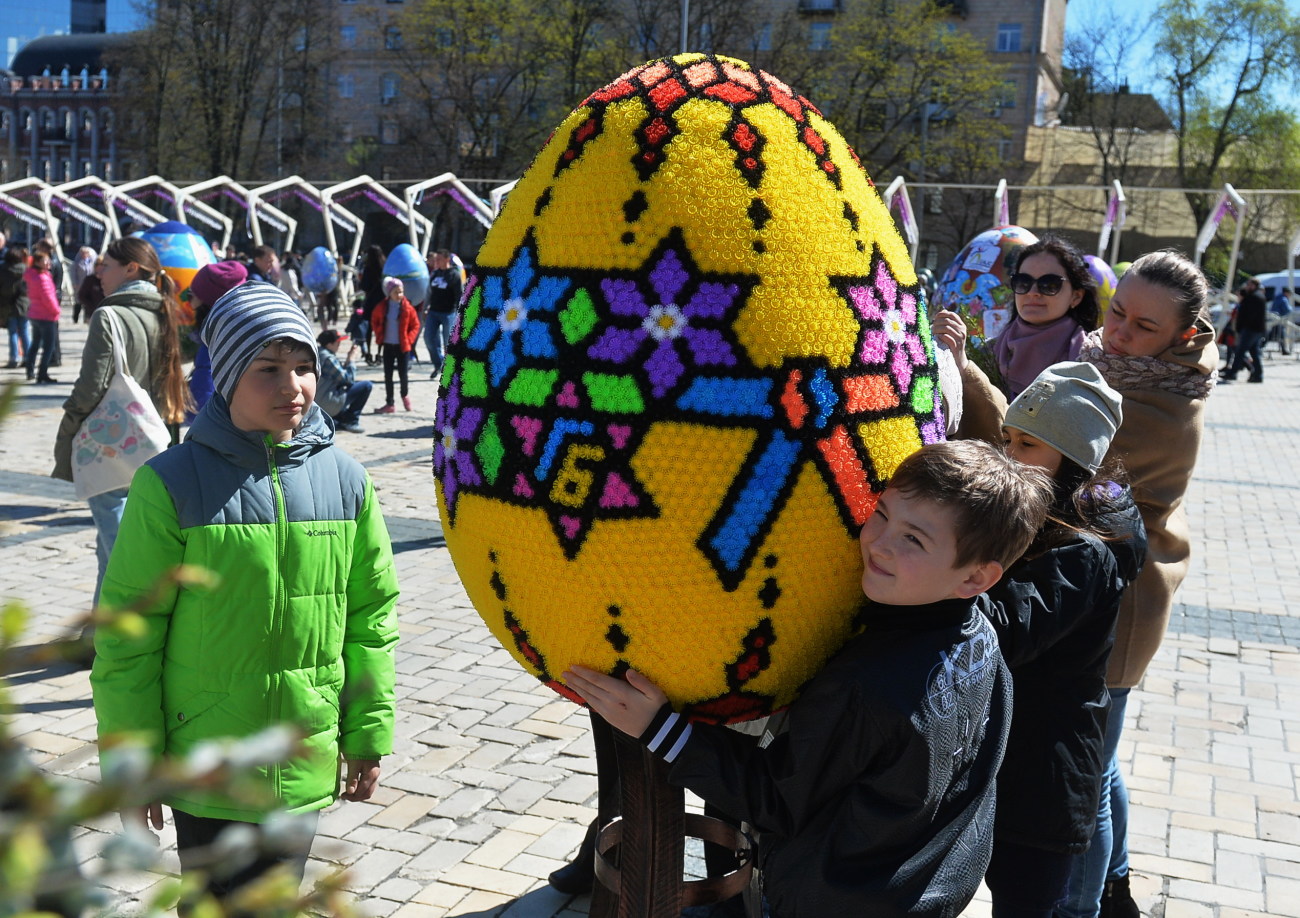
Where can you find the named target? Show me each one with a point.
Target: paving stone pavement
(493, 778)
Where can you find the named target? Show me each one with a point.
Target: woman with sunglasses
(1056, 305)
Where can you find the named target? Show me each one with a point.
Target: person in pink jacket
(43, 312)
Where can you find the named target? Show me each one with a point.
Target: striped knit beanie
(244, 321)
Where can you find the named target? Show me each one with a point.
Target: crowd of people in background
(33, 300)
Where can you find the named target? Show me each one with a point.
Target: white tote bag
(121, 434)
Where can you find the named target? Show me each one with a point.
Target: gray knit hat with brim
(1072, 409)
(243, 322)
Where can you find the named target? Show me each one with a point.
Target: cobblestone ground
(493, 778)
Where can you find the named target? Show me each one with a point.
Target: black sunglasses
(1048, 284)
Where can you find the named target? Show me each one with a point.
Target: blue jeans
(20, 339)
(1107, 856)
(358, 394)
(45, 333)
(437, 334)
(106, 510)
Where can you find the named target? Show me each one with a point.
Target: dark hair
(327, 337)
(287, 345)
(1088, 312)
(262, 251)
(15, 254)
(997, 504)
(168, 377)
(1081, 502)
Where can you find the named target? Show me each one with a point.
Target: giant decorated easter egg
(975, 285)
(405, 264)
(320, 270)
(1106, 279)
(689, 358)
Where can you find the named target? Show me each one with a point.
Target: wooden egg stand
(641, 842)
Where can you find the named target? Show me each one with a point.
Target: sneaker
(387, 409)
(406, 402)
(352, 427)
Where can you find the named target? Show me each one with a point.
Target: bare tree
(205, 83)
(1099, 59)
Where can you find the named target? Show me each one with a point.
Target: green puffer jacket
(301, 628)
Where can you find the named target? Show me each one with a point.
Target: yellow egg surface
(689, 358)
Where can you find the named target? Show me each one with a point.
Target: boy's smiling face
(275, 391)
(909, 554)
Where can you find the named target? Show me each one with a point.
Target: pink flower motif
(895, 341)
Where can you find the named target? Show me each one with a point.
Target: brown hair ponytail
(168, 377)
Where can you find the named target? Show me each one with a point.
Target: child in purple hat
(208, 286)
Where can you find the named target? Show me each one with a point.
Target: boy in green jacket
(301, 628)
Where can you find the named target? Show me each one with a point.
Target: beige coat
(1158, 442)
(141, 324)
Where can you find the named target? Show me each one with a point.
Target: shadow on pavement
(424, 431)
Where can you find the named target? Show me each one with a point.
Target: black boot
(1117, 901)
(579, 875)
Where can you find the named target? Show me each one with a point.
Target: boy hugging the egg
(879, 798)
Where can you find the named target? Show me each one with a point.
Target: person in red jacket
(396, 326)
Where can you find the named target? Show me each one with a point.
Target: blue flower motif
(517, 315)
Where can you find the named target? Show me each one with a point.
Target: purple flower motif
(677, 319)
(897, 341)
(454, 431)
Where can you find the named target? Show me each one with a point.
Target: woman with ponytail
(144, 300)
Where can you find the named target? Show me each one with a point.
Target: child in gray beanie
(1055, 612)
(244, 321)
(303, 627)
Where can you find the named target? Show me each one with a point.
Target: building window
(388, 132)
(388, 88)
(347, 86)
(819, 36)
(445, 38)
(348, 36)
(1005, 145)
(1007, 95)
(1008, 36)
(392, 39)
(763, 38)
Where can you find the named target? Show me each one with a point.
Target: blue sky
(1139, 12)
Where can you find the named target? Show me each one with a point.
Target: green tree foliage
(908, 91)
(1224, 64)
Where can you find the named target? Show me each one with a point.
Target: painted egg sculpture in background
(182, 251)
(405, 264)
(1106, 281)
(689, 357)
(320, 270)
(975, 285)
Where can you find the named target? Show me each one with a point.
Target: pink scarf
(1023, 351)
